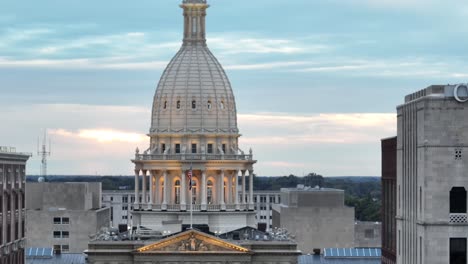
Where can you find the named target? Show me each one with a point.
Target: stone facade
(64, 216)
(316, 217)
(193, 247)
(432, 143)
(194, 130)
(12, 212)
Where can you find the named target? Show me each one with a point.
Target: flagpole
(191, 197)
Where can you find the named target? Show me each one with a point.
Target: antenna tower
(43, 152)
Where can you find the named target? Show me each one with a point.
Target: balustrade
(191, 156)
(458, 218)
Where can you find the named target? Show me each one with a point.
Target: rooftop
(59, 259)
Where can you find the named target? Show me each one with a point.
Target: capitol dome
(194, 95)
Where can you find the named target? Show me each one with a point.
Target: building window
(224, 148)
(57, 248)
(165, 104)
(163, 148)
(458, 200)
(208, 105)
(457, 250)
(124, 208)
(65, 220)
(65, 248)
(194, 104)
(57, 221)
(112, 198)
(132, 199)
(194, 148)
(124, 217)
(177, 148)
(210, 148)
(177, 192)
(56, 234)
(65, 234)
(125, 199)
(222, 104)
(178, 104)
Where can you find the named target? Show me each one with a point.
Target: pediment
(192, 241)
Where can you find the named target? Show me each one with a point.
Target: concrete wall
(319, 227)
(367, 234)
(71, 196)
(83, 224)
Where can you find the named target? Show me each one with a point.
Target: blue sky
(316, 82)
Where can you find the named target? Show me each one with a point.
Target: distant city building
(316, 217)
(64, 216)
(389, 195)
(193, 132)
(264, 201)
(121, 204)
(432, 180)
(12, 198)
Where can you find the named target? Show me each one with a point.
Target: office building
(316, 217)
(64, 216)
(12, 198)
(432, 140)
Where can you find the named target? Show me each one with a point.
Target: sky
(317, 83)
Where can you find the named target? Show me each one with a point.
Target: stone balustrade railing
(193, 157)
(195, 207)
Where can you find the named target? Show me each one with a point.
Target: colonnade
(211, 190)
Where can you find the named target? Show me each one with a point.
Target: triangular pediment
(192, 241)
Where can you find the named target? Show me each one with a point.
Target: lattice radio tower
(44, 153)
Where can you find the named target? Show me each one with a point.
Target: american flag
(189, 175)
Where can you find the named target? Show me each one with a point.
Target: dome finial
(194, 21)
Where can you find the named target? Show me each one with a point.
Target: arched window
(165, 105)
(222, 105)
(161, 184)
(209, 192)
(209, 104)
(458, 200)
(178, 104)
(194, 104)
(177, 192)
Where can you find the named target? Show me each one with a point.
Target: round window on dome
(194, 104)
(178, 104)
(209, 105)
(165, 105)
(222, 105)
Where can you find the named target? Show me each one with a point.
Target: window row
(61, 234)
(194, 148)
(209, 105)
(62, 248)
(61, 220)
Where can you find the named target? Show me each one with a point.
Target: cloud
(349, 128)
(90, 138)
(233, 44)
(101, 135)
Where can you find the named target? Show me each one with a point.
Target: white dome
(194, 95)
